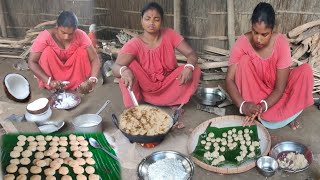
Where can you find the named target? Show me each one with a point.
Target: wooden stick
(216, 50)
(214, 58)
(211, 65)
(231, 32)
(177, 15)
(2, 21)
(298, 30)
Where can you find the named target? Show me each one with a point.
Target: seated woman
(259, 79)
(147, 64)
(64, 53)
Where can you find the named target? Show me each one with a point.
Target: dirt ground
(308, 134)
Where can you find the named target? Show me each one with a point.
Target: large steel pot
(146, 138)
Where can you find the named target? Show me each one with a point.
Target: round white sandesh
(62, 149)
(15, 161)
(9, 177)
(32, 148)
(23, 170)
(78, 170)
(22, 138)
(35, 169)
(80, 138)
(25, 161)
(30, 138)
(81, 177)
(39, 155)
(63, 138)
(90, 170)
(48, 138)
(51, 178)
(18, 148)
(39, 137)
(63, 143)
(35, 177)
(81, 161)
(14, 154)
(42, 143)
(72, 137)
(41, 148)
(90, 161)
(87, 154)
(26, 153)
(22, 177)
(66, 177)
(55, 165)
(49, 171)
(94, 177)
(41, 163)
(63, 170)
(11, 168)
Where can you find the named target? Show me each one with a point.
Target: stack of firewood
(22, 45)
(305, 48)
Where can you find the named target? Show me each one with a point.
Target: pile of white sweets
(216, 146)
(293, 161)
(167, 169)
(67, 101)
(52, 155)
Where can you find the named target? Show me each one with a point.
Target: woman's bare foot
(294, 125)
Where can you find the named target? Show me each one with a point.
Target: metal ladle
(94, 143)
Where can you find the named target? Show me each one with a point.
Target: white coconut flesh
(38, 104)
(17, 86)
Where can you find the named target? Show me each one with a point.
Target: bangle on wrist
(48, 82)
(240, 108)
(265, 104)
(94, 79)
(189, 66)
(123, 68)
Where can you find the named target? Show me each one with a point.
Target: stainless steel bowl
(210, 96)
(267, 166)
(144, 164)
(280, 150)
(86, 123)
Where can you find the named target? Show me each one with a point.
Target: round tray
(228, 121)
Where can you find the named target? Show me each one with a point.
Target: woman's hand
(127, 77)
(252, 111)
(185, 76)
(86, 87)
(54, 84)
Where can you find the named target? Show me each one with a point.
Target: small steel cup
(267, 166)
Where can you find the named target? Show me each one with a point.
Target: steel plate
(144, 164)
(280, 150)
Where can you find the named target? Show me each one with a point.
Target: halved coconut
(17, 87)
(38, 106)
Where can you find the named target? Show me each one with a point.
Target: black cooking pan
(146, 138)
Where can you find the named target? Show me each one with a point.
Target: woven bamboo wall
(205, 21)
(21, 15)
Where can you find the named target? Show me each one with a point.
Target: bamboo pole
(177, 15)
(231, 32)
(2, 21)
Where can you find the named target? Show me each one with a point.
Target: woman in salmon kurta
(259, 80)
(64, 53)
(147, 64)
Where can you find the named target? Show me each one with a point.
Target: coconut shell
(39, 111)
(10, 96)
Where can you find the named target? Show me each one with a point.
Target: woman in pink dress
(147, 64)
(64, 53)
(259, 79)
